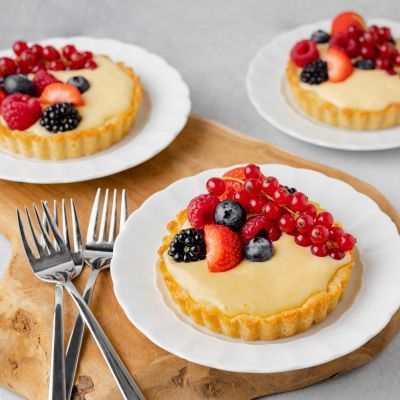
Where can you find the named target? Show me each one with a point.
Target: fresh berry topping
(224, 248)
(19, 84)
(215, 186)
(386, 50)
(346, 242)
(81, 83)
(304, 223)
(68, 50)
(253, 186)
(50, 53)
(242, 197)
(3, 95)
(233, 186)
(320, 36)
(231, 214)
(274, 233)
(259, 249)
(319, 250)
(90, 64)
(272, 211)
(257, 203)
(281, 195)
(61, 93)
(287, 223)
(384, 63)
(319, 234)
(56, 65)
(343, 21)
(37, 49)
(315, 73)
(354, 32)
(20, 111)
(269, 185)
(188, 245)
(304, 53)
(397, 60)
(368, 53)
(60, 117)
(349, 46)
(40, 66)
(298, 202)
(334, 232)
(336, 254)
(7, 66)
(87, 55)
(364, 64)
(384, 34)
(77, 60)
(19, 47)
(43, 79)
(339, 65)
(324, 218)
(311, 210)
(28, 58)
(252, 171)
(255, 226)
(302, 239)
(291, 190)
(201, 210)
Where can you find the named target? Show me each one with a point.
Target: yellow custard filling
(284, 282)
(363, 89)
(110, 94)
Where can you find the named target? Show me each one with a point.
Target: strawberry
(61, 93)
(3, 95)
(233, 186)
(345, 19)
(20, 111)
(201, 210)
(224, 248)
(340, 66)
(43, 79)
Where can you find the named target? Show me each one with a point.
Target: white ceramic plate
(162, 115)
(272, 99)
(367, 306)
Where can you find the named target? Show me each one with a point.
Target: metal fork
(98, 254)
(57, 266)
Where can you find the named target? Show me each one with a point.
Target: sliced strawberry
(340, 66)
(224, 248)
(201, 210)
(231, 185)
(342, 22)
(61, 93)
(304, 52)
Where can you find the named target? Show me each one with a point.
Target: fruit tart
(254, 259)
(348, 77)
(64, 103)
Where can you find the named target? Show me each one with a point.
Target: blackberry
(315, 73)
(188, 245)
(60, 117)
(291, 190)
(320, 36)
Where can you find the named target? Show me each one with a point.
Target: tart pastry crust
(76, 143)
(349, 118)
(254, 327)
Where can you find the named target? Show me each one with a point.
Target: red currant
(274, 233)
(50, 53)
(336, 253)
(19, 47)
(353, 48)
(77, 60)
(269, 185)
(68, 50)
(384, 63)
(242, 197)
(252, 171)
(386, 50)
(272, 211)
(215, 186)
(252, 185)
(346, 242)
(384, 34)
(324, 218)
(302, 240)
(391, 71)
(90, 64)
(319, 250)
(56, 65)
(319, 234)
(39, 67)
(257, 203)
(87, 55)
(37, 49)
(369, 39)
(298, 201)
(354, 31)
(7, 66)
(281, 195)
(334, 232)
(304, 223)
(287, 223)
(397, 60)
(28, 58)
(368, 53)
(23, 69)
(311, 210)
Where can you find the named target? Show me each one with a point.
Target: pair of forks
(58, 262)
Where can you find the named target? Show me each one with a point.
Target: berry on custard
(201, 210)
(319, 234)
(61, 93)
(82, 84)
(320, 36)
(304, 52)
(344, 20)
(259, 249)
(187, 246)
(231, 214)
(255, 226)
(215, 186)
(7, 66)
(19, 83)
(340, 66)
(43, 79)
(315, 73)
(287, 223)
(60, 117)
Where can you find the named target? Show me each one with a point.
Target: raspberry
(3, 95)
(201, 210)
(254, 226)
(20, 111)
(304, 52)
(42, 79)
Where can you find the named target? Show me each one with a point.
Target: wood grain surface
(26, 304)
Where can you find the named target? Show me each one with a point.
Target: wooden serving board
(26, 304)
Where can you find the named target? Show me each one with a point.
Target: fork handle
(127, 386)
(75, 340)
(57, 368)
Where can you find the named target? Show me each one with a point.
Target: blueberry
(259, 249)
(79, 82)
(365, 64)
(19, 83)
(1, 82)
(320, 36)
(231, 214)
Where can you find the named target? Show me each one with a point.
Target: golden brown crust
(328, 113)
(77, 143)
(253, 327)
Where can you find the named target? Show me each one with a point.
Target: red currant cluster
(286, 210)
(36, 58)
(374, 44)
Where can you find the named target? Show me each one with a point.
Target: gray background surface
(211, 43)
